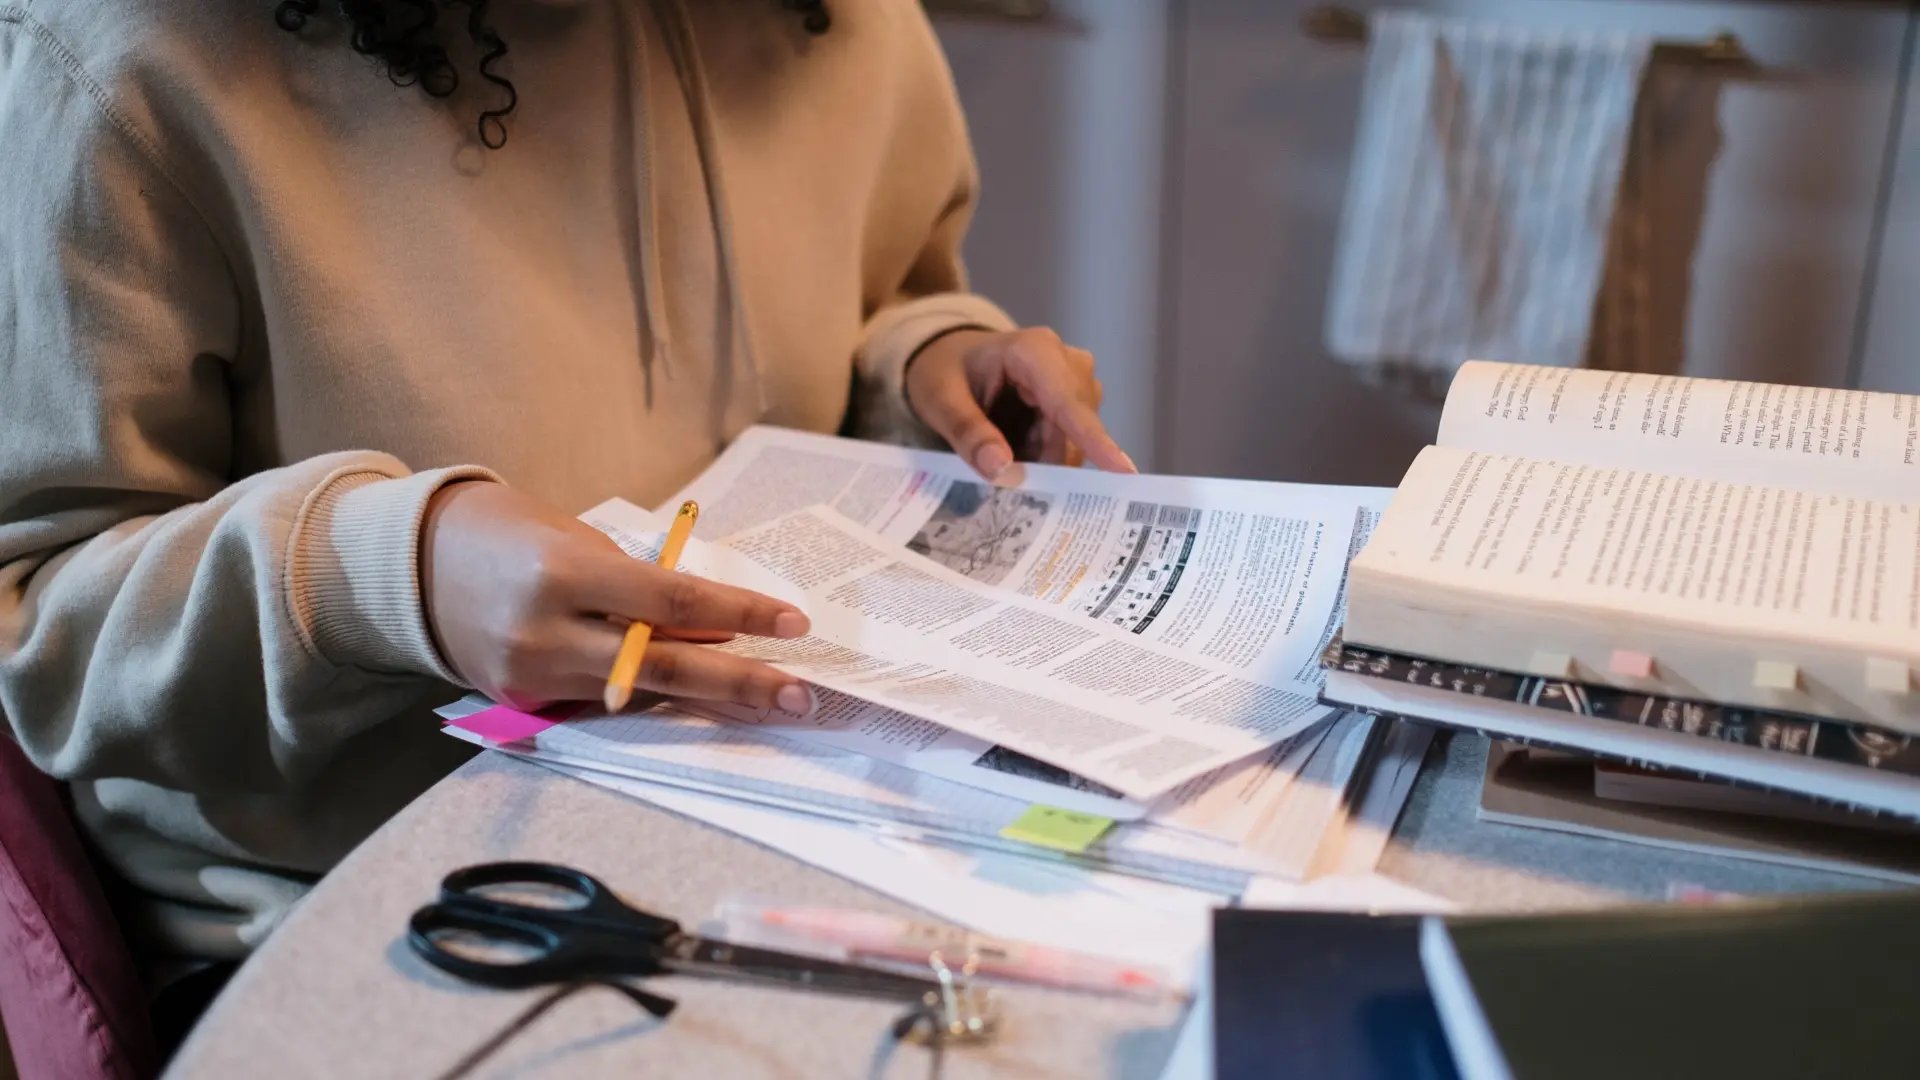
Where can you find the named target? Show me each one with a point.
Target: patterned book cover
(1787, 733)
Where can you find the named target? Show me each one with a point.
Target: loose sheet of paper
(1113, 915)
(908, 633)
(1368, 892)
(670, 745)
(847, 723)
(1355, 846)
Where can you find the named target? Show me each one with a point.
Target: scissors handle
(594, 903)
(505, 950)
(482, 931)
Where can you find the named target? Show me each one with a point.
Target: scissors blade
(694, 955)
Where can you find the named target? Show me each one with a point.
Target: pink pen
(883, 937)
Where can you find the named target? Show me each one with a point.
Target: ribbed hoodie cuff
(354, 579)
(893, 338)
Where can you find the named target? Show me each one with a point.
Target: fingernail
(790, 624)
(992, 460)
(1128, 458)
(795, 699)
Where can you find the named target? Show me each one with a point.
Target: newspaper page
(847, 722)
(904, 631)
(1243, 573)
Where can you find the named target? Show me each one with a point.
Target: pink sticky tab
(501, 724)
(1631, 665)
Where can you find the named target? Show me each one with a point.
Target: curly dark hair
(405, 37)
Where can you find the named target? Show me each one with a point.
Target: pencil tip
(615, 698)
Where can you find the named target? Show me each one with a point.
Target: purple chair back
(69, 990)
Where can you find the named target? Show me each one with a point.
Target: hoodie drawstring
(655, 329)
(677, 37)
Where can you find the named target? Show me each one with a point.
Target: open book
(1722, 541)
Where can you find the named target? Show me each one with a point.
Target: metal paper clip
(959, 1011)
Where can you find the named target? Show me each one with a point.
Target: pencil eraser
(1630, 664)
(1551, 665)
(1776, 675)
(1888, 676)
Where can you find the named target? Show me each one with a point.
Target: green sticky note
(1061, 830)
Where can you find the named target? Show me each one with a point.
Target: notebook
(1331, 996)
(1763, 990)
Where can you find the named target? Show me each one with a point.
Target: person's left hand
(1041, 392)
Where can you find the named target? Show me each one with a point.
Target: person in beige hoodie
(304, 371)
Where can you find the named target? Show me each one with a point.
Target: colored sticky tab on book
(1776, 675)
(1551, 665)
(1061, 830)
(1889, 676)
(501, 724)
(1632, 665)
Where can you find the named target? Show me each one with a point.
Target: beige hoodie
(256, 304)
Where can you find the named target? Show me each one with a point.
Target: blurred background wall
(1164, 179)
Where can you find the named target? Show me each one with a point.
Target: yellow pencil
(626, 666)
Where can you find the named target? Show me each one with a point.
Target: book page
(1708, 553)
(1246, 573)
(1840, 442)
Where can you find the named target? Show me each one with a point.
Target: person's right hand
(522, 600)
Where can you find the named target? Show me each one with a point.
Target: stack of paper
(1139, 653)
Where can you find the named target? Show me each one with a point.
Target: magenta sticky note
(501, 724)
(1631, 665)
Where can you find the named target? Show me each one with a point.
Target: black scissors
(513, 925)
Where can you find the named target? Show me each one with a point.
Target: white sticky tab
(1551, 665)
(1889, 676)
(1776, 675)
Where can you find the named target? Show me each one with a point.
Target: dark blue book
(1335, 997)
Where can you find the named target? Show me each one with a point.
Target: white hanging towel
(1482, 195)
